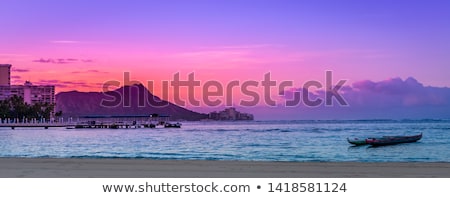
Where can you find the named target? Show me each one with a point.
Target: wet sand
(144, 168)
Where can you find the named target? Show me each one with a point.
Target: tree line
(16, 108)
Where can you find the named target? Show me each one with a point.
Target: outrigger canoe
(390, 140)
(357, 141)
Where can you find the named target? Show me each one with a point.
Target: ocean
(249, 141)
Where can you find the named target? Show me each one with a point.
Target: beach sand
(144, 168)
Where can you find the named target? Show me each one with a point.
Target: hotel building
(30, 93)
(5, 74)
(230, 114)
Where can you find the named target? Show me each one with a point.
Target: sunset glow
(79, 45)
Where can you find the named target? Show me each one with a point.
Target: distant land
(75, 104)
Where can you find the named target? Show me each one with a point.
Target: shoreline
(149, 168)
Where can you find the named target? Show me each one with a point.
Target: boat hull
(357, 141)
(391, 140)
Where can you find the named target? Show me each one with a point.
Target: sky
(80, 45)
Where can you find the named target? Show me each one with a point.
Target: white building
(30, 93)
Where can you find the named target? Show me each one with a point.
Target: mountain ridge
(127, 100)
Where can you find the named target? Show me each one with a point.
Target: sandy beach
(144, 168)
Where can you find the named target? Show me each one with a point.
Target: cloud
(386, 93)
(65, 42)
(393, 98)
(248, 46)
(214, 58)
(212, 54)
(390, 86)
(66, 84)
(57, 61)
(397, 92)
(16, 77)
(48, 81)
(62, 60)
(90, 71)
(251, 55)
(19, 70)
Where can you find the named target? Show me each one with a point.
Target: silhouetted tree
(15, 107)
(58, 114)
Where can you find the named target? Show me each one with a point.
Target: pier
(113, 125)
(93, 125)
(29, 125)
(96, 122)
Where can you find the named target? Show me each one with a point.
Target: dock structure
(99, 122)
(44, 125)
(95, 125)
(111, 125)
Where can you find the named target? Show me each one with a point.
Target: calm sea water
(258, 141)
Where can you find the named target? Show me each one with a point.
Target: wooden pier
(112, 125)
(34, 125)
(93, 125)
(97, 122)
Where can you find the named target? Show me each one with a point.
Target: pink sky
(80, 45)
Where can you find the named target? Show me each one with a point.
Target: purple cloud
(89, 71)
(65, 84)
(48, 81)
(19, 70)
(386, 93)
(43, 60)
(62, 60)
(392, 99)
(391, 86)
(397, 92)
(65, 42)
